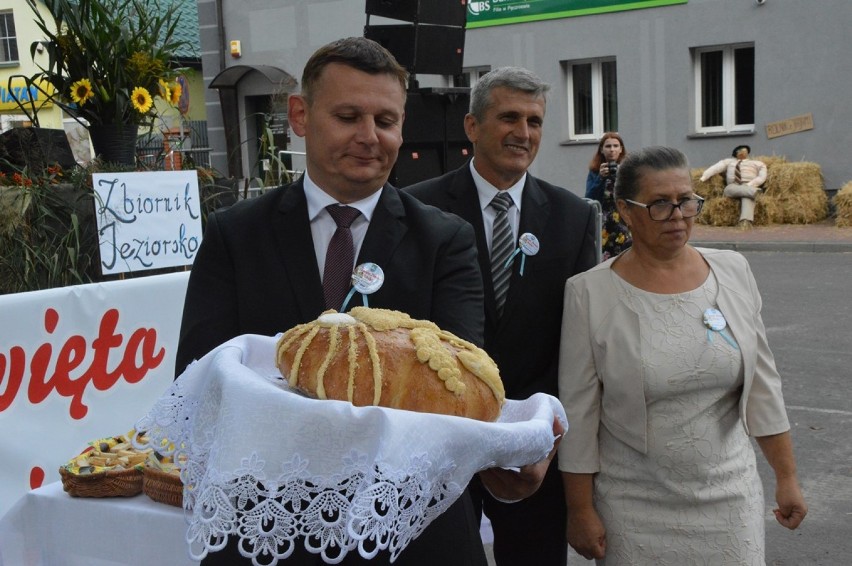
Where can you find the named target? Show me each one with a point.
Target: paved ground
(808, 316)
(821, 237)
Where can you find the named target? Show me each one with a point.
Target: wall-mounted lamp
(236, 49)
(40, 47)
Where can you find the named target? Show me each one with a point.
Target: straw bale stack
(710, 188)
(793, 194)
(843, 206)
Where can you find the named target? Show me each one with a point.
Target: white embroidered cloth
(278, 469)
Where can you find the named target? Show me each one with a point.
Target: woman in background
(664, 373)
(603, 170)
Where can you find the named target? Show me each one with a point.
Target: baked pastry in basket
(386, 358)
(108, 467)
(162, 481)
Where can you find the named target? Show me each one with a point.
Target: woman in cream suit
(664, 375)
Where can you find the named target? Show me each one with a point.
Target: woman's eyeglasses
(663, 210)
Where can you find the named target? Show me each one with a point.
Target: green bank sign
(482, 13)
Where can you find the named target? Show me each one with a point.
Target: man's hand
(511, 485)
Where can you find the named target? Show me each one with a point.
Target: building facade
(700, 75)
(19, 32)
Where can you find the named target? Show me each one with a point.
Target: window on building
(724, 86)
(592, 87)
(469, 76)
(8, 40)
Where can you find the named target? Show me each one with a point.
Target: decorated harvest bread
(386, 358)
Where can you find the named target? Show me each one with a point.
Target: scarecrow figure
(744, 178)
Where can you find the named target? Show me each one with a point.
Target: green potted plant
(108, 60)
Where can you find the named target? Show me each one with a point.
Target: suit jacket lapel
(292, 231)
(535, 211)
(463, 200)
(386, 229)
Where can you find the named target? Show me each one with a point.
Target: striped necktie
(502, 245)
(738, 176)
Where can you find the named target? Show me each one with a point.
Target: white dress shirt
(487, 192)
(323, 225)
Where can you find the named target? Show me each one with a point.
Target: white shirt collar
(487, 191)
(318, 199)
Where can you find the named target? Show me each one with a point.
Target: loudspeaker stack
(431, 42)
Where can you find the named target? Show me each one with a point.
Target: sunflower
(177, 91)
(165, 91)
(141, 99)
(81, 91)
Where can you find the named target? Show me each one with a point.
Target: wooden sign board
(790, 126)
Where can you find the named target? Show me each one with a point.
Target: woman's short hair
(634, 167)
(514, 78)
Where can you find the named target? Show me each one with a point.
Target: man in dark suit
(261, 266)
(522, 322)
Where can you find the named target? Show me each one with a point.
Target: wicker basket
(120, 483)
(163, 487)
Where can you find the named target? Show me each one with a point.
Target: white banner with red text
(77, 364)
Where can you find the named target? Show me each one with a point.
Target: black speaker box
(417, 163)
(436, 115)
(422, 49)
(35, 149)
(424, 119)
(458, 154)
(440, 12)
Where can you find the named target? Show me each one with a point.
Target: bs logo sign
(477, 8)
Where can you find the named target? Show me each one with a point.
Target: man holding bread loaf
(551, 236)
(262, 266)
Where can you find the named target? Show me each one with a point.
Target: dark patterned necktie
(501, 248)
(340, 257)
(738, 177)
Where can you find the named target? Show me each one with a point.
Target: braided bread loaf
(386, 358)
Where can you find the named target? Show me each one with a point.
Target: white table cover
(278, 469)
(48, 527)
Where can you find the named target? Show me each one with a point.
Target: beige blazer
(601, 379)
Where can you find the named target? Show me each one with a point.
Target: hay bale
(843, 206)
(805, 207)
(724, 211)
(767, 210)
(710, 188)
(720, 211)
(771, 160)
(799, 190)
(798, 177)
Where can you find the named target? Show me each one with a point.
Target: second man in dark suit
(523, 301)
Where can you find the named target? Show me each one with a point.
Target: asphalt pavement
(804, 273)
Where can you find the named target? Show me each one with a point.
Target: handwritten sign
(790, 126)
(147, 220)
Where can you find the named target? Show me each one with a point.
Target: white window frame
(5, 58)
(597, 97)
(729, 124)
(473, 74)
